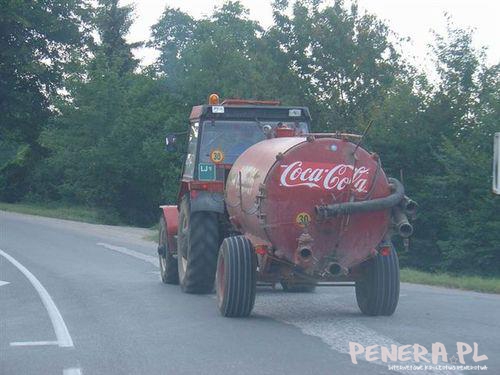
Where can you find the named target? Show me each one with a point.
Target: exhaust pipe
(401, 223)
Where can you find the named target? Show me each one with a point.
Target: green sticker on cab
(206, 172)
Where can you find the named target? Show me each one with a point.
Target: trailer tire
(298, 287)
(197, 248)
(236, 277)
(377, 292)
(168, 262)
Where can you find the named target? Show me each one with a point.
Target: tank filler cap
(284, 131)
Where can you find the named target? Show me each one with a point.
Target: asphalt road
(86, 299)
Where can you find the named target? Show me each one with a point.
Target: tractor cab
(220, 132)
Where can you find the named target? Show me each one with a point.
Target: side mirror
(496, 164)
(171, 143)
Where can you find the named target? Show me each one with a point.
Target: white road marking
(62, 334)
(34, 343)
(132, 253)
(322, 315)
(2, 283)
(72, 371)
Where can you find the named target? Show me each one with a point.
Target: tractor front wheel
(236, 277)
(377, 292)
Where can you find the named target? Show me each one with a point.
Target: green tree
(36, 41)
(464, 113)
(225, 53)
(344, 59)
(106, 143)
(440, 136)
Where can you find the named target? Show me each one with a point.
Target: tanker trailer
(293, 207)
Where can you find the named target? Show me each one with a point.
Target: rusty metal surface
(274, 186)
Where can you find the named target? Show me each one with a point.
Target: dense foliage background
(82, 123)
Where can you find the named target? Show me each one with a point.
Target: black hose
(379, 204)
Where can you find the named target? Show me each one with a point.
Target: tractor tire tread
(240, 277)
(377, 293)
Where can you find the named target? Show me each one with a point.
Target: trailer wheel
(298, 287)
(197, 244)
(168, 262)
(377, 292)
(236, 277)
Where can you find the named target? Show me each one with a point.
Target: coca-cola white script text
(324, 176)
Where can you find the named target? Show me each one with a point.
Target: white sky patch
(408, 18)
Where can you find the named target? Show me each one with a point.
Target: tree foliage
(226, 53)
(102, 141)
(345, 59)
(81, 122)
(36, 41)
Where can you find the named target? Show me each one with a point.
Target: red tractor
(262, 199)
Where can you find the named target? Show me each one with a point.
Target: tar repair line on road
(132, 253)
(62, 334)
(34, 343)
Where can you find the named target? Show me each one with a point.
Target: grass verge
(475, 283)
(153, 235)
(58, 211)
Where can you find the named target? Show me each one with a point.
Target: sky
(408, 18)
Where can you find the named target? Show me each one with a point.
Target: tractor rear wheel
(236, 278)
(168, 262)
(377, 292)
(298, 286)
(197, 248)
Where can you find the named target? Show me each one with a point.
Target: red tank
(274, 188)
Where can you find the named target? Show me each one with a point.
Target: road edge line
(60, 328)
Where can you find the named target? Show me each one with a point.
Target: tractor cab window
(191, 151)
(231, 138)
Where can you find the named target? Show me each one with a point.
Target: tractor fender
(171, 217)
(207, 201)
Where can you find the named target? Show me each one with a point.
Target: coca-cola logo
(325, 176)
